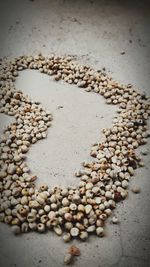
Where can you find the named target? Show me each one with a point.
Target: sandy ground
(97, 33)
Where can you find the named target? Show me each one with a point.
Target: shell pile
(74, 211)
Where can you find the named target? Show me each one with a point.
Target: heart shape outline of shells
(74, 211)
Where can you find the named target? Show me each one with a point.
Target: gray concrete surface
(97, 32)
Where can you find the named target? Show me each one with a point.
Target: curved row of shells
(73, 212)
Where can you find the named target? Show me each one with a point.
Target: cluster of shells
(74, 211)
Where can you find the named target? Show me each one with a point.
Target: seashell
(24, 200)
(80, 216)
(51, 215)
(68, 258)
(76, 199)
(89, 186)
(54, 221)
(125, 184)
(43, 187)
(65, 202)
(135, 189)
(103, 216)
(114, 220)
(40, 200)
(34, 204)
(74, 231)
(131, 170)
(108, 195)
(83, 235)
(25, 192)
(88, 209)
(64, 192)
(99, 223)
(47, 208)
(68, 225)
(3, 174)
(100, 231)
(81, 208)
(17, 158)
(31, 217)
(44, 219)
(41, 228)
(53, 206)
(91, 229)
(108, 212)
(68, 217)
(80, 226)
(57, 230)
(11, 169)
(24, 227)
(96, 190)
(73, 250)
(78, 174)
(92, 219)
(66, 237)
(73, 206)
(24, 148)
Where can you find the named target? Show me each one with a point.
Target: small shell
(74, 232)
(24, 227)
(65, 202)
(68, 217)
(135, 189)
(81, 208)
(91, 229)
(73, 250)
(76, 198)
(68, 226)
(89, 186)
(44, 218)
(108, 194)
(114, 220)
(88, 209)
(31, 217)
(100, 231)
(83, 235)
(68, 258)
(58, 230)
(73, 206)
(47, 208)
(66, 237)
(41, 227)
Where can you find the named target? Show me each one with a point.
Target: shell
(136, 189)
(58, 230)
(74, 231)
(73, 250)
(41, 227)
(66, 237)
(68, 258)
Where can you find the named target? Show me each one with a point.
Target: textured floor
(97, 33)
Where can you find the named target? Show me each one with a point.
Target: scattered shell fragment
(68, 258)
(115, 220)
(136, 189)
(73, 250)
